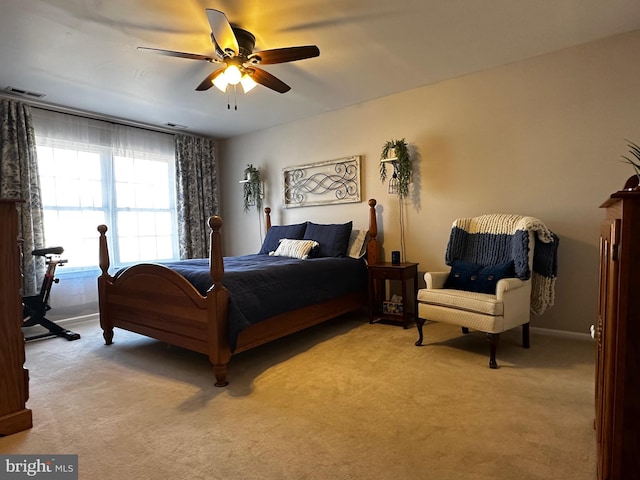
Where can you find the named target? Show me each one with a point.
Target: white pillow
(294, 248)
(357, 244)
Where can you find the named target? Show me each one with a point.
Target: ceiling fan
(234, 49)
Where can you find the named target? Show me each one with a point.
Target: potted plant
(252, 188)
(634, 161)
(396, 152)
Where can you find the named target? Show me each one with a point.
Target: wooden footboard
(157, 302)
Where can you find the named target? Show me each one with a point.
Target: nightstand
(380, 308)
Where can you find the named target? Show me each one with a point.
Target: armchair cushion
(473, 302)
(472, 277)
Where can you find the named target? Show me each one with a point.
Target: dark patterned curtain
(197, 192)
(19, 179)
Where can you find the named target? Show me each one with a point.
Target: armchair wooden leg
(419, 324)
(493, 345)
(525, 335)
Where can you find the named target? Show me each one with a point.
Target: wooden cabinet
(14, 378)
(618, 340)
(404, 312)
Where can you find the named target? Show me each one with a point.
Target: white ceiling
(82, 53)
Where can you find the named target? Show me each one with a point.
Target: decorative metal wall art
(322, 183)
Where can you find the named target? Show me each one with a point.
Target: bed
(158, 300)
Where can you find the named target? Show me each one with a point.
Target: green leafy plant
(402, 167)
(252, 188)
(634, 150)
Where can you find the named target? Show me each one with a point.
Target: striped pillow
(294, 248)
(357, 244)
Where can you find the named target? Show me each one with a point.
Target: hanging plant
(252, 188)
(402, 168)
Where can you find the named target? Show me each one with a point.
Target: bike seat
(42, 252)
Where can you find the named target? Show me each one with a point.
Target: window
(145, 209)
(124, 178)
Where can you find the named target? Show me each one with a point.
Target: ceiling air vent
(24, 93)
(176, 126)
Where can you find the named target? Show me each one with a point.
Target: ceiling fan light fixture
(233, 75)
(247, 83)
(221, 82)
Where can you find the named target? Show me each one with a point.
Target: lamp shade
(394, 183)
(233, 74)
(221, 82)
(247, 83)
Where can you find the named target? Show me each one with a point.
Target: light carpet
(342, 400)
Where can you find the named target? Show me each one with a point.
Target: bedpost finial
(103, 259)
(372, 202)
(267, 218)
(215, 222)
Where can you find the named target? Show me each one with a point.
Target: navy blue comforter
(261, 286)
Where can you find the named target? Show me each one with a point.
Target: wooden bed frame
(157, 302)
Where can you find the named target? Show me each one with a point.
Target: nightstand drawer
(386, 274)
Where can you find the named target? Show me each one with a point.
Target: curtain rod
(91, 115)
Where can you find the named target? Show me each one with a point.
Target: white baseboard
(561, 333)
(79, 319)
(542, 331)
(63, 322)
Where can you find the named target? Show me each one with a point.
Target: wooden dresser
(618, 340)
(14, 378)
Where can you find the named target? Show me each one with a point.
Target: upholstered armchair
(503, 269)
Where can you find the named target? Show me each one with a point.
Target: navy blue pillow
(488, 276)
(462, 275)
(278, 232)
(476, 278)
(333, 238)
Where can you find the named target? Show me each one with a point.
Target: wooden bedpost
(216, 262)
(218, 300)
(267, 219)
(373, 247)
(103, 279)
(104, 250)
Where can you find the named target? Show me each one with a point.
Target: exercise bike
(35, 306)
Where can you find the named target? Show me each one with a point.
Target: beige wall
(542, 137)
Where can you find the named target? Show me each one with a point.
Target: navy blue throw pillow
(476, 278)
(278, 232)
(488, 276)
(462, 275)
(333, 238)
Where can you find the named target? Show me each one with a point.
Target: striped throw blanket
(498, 238)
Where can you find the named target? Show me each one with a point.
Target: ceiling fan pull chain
(235, 98)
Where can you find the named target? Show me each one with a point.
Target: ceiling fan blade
(171, 53)
(268, 80)
(282, 55)
(222, 33)
(219, 51)
(207, 83)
